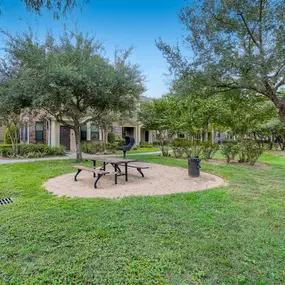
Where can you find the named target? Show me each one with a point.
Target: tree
(57, 6)
(11, 81)
(242, 113)
(156, 115)
(71, 80)
(237, 45)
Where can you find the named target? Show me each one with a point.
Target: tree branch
(280, 83)
(248, 30)
(59, 118)
(277, 71)
(260, 23)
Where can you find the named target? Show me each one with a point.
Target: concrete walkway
(69, 156)
(10, 161)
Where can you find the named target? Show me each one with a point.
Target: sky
(117, 23)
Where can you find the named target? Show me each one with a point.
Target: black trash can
(194, 167)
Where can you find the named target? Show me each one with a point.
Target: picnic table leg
(96, 180)
(75, 177)
(126, 171)
(116, 176)
(94, 166)
(104, 166)
(140, 171)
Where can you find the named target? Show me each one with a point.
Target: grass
(143, 149)
(228, 235)
(5, 145)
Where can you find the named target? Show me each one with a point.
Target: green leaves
(237, 45)
(69, 78)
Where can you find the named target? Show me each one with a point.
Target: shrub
(5, 150)
(194, 149)
(11, 131)
(230, 150)
(112, 147)
(92, 147)
(39, 150)
(32, 150)
(209, 149)
(120, 141)
(250, 151)
(163, 145)
(111, 138)
(179, 146)
(146, 145)
(57, 150)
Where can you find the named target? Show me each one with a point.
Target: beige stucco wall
(57, 131)
(72, 141)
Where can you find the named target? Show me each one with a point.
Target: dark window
(127, 132)
(84, 133)
(39, 131)
(181, 136)
(94, 132)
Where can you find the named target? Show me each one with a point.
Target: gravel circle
(158, 180)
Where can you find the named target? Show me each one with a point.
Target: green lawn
(229, 235)
(143, 149)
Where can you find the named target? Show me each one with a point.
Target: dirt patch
(158, 180)
(236, 163)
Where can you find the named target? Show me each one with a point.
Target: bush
(32, 150)
(120, 141)
(163, 145)
(146, 145)
(194, 149)
(209, 149)
(92, 147)
(112, 147)
(111, 138)
(5, 150)
(250, 151)
(230, 150)
(40, 150)
(13, 131)
(180, 146)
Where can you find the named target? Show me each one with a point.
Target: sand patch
(158, 180)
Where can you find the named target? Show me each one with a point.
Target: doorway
(64, 138)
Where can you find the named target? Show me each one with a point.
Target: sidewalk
(10, 161)
(69, 156)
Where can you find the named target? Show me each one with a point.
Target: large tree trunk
(104, 136)
(78, 143)
(281, 110)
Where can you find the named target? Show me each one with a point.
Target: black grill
(4, 201)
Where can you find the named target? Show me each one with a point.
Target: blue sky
(121, 23)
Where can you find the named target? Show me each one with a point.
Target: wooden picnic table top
(109, 159)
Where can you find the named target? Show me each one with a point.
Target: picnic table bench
(97, 172)
(139, 167)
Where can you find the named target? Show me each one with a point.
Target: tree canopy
(237, 45)
(71, 79)
(59, 7)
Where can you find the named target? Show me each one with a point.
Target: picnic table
(115, 162)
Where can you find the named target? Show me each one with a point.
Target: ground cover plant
(31, 151)
(228, 235)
